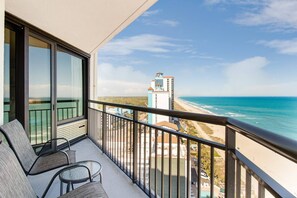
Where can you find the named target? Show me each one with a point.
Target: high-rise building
(161, 95)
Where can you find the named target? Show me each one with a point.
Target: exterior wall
(161, 102)
(153, 84)
(2, 11)
(93, 77)
(150, 104)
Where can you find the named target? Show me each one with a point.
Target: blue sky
(211, 47)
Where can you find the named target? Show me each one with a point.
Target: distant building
(161, 95)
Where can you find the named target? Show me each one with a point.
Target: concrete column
(2, 29)
(93, 76)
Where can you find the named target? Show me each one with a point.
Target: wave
(235, 115)
(198, 106)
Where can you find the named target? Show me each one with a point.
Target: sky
(211, 47)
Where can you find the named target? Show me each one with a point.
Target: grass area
(205, 128)
(131, 100)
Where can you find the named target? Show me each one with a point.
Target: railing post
(104, 127)
(135, 139)
(230, 163)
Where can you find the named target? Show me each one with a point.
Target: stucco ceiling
(86, 25)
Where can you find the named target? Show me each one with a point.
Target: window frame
(22, 67)
(84, 85)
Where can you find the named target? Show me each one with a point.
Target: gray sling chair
(31, 163)
(14, 183)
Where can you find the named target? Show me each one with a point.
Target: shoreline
(217, 130)
(278, 167)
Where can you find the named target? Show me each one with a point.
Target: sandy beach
(278, 167)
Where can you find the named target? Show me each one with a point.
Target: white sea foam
(235, 115)
(197, 106)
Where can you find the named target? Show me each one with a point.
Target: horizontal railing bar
(219, 120)
(117, 116)
(269, 183)
(187, 136)
(182, 135)
(48, 101)
(280, 144)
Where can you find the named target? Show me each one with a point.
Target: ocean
(276, 114)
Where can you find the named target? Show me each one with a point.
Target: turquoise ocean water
(276, 114)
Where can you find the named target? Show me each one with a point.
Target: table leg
(61, 188)
(68, 187)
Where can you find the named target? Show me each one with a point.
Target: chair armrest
(45, 154)
(64, 169)
(54, 139)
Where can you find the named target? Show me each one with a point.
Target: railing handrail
(48, 101)
(44, 101)
(282, 145)
(218, 120)
(173, 132)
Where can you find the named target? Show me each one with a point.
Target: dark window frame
(84, 83)
(22, 68)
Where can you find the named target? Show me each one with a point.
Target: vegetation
(131, 100)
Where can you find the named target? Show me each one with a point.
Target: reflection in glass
(39, 90)
(69, 86)
(9, 75)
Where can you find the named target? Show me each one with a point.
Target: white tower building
(161, 95)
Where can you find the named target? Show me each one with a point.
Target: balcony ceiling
(86, 25)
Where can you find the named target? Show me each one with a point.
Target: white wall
(162, 103)
(1, 58)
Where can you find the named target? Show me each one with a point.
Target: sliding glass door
(40, 90)
(56, 88)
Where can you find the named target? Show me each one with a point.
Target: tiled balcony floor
(115, 182)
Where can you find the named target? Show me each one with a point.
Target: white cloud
(245, 76)
(144, 42)
(283, 46)
(171, 23)
(121, 81)
(150, 13)
(278, 14)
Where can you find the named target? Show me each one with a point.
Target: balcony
(112, 176)
(164, 162)
(148, 160)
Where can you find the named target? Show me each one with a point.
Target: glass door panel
(40, 91)
(9, 75)
(69, 86)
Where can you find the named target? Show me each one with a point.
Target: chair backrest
(13, 181)
(19, 142)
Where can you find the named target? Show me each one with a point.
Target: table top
(80, 174)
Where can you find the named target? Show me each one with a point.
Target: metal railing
(40, 117)
(163, 163)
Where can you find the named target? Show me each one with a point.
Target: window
(70, 85)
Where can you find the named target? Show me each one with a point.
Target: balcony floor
(115, 182)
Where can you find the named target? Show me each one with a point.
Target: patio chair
(31, 163)
(14, 182)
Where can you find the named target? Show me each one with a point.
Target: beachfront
(279, 168)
